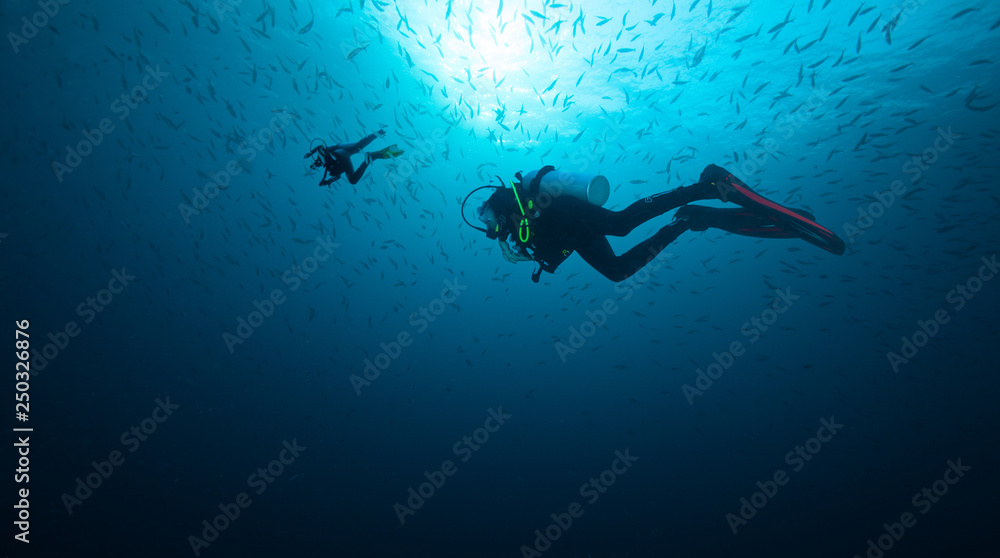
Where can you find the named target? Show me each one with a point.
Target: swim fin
(386, 152)
(739, 221)
(732, 189)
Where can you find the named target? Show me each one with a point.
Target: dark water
(307, 356)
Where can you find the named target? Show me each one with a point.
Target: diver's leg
(353, 176)
(739, 221)
(352, 148)
(597, 252)
(621, 223)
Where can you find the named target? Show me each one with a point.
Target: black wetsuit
(569, 224)
(337, 160)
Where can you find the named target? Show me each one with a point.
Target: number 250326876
(21, 369)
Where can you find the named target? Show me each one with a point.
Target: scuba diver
(336, 159)
(552, 214)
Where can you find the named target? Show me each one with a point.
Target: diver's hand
(381, 132)
(510, 255)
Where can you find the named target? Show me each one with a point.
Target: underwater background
(227, 359)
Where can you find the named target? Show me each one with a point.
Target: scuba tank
(592, 188)
(548, 182)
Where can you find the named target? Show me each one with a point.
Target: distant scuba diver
(336, 159)
(551, 214)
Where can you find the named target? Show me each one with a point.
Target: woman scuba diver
(551, 214)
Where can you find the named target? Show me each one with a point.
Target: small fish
(698, 56)
(918, 43)
(855, 16)
(890, 26)
(308, 26)
(356, 51)
(963, 12)
(736, 13)
(874, 23)
(972, 97)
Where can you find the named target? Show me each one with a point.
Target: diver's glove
(511, 256)
(381, 132)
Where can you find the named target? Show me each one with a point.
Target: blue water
(737, 397)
